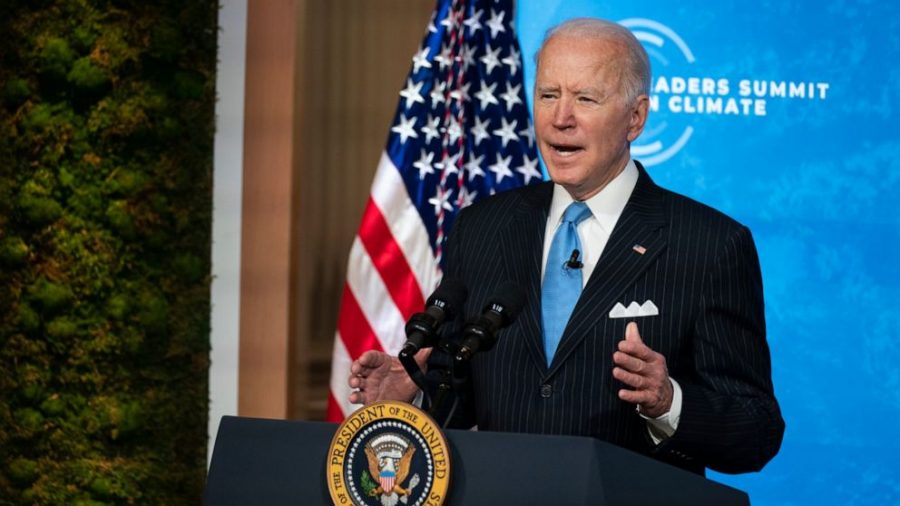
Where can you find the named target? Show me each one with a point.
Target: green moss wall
(106, 128)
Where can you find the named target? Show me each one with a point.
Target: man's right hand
(377, 376)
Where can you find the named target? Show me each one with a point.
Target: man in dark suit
(654, 337)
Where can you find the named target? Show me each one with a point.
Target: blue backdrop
(781, 115)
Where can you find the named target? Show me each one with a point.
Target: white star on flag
(507, 131)
(448, 165)
(496, 23)
(474, 21)
(479, 130)
(406, 128)
(444, 58)
(424, 163)
(528, 169)
(511, 96)
(431, 129)
(437, 93)
(411, 93)
(491, 58)
(486, 95)
(468, 56)
(501, 168)
(420, 60)
(465, 198)
(454, 131)
(473, 167)
(513, 60)
(441, 200)
(461, 94)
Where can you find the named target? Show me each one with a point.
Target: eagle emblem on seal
(389, 457)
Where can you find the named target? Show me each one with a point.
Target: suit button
(546, 391)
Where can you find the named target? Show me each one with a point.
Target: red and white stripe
(391, 268)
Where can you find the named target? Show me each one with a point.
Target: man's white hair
(636, 68)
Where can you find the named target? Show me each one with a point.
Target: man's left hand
(645, 371)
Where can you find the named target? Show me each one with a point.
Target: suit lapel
(522, 243)
(619, 265)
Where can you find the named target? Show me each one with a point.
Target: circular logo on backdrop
(684, 95)
(662, 139)
(388, 454)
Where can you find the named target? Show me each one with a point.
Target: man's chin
(565, 176)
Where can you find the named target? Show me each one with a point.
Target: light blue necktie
(562, 284)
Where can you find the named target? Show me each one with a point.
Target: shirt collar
(606, 206)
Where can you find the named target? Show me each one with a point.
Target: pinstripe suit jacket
(701, 270)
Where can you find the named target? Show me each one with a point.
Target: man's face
(583, 125)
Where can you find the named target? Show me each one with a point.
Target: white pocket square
(634, 310)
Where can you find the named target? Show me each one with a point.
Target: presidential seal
(388, 453)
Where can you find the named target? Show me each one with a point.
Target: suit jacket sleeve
(730, 420)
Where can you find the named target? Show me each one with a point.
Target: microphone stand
(408, 360)
(448, 381)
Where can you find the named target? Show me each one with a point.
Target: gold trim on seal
(408, 415)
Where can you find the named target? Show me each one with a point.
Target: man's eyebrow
(590, 90)
(547, 88)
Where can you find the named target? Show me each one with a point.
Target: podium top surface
(272, 462)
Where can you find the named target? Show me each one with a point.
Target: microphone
(502, 308)
(573, 262)
(421, 329)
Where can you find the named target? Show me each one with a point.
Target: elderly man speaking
(643, 323)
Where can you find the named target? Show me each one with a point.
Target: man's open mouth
(566, 149)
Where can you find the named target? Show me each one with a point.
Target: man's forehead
(587, 54)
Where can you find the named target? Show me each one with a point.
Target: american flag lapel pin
(640, 249)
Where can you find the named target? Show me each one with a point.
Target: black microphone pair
(478, 335)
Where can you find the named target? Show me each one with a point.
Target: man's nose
(563, 114)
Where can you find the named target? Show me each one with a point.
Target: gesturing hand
(377, 376)
(645, 371)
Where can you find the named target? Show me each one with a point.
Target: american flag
(461, 132)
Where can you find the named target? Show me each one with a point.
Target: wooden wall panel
(323, 78)
(266, 249)
(354, 60)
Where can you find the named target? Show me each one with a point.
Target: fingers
(632, 396)
(645, 398)
(632, 334)
(358, 383)
(633, 344)
(368, 360)
(643, 372)
(631, 362)
(629, 378)
(647, 388)
(360, 370)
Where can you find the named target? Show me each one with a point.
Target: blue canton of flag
(462, 129)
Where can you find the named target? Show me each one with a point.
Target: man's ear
(638, 117)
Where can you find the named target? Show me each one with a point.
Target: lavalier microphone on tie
(573, 262)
